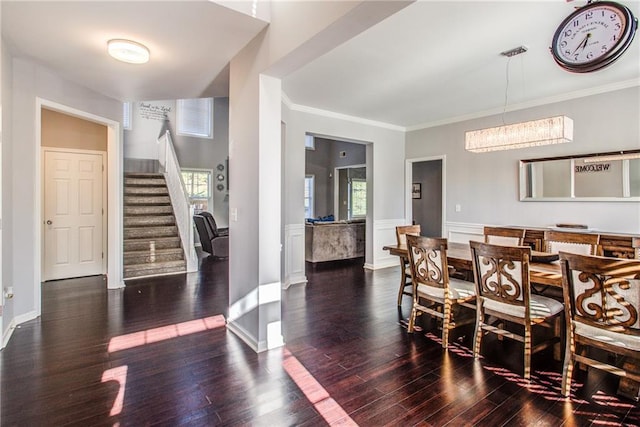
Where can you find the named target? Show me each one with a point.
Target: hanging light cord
(506, 91)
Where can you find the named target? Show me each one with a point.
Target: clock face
(593, 36)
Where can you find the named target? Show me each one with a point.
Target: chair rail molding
(463, 232)
(294, 267)
(384, 233)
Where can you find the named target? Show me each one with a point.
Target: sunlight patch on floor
(137, 339)
(326, 406)
(119, 375)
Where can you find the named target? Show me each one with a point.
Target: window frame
(127, 115)
(351, 181)
(180, 117)
(312, 179)
(193, 199)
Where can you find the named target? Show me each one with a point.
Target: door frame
(114, 196)
(104, 203)
(408, 209)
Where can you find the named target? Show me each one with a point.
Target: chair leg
(412, 319)
(446, 321)
(403, 281)
(567, 370)
(478, 333)
(527, 352)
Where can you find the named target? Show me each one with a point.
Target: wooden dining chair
(432, 286)
(556, 241)
(501, 276)
(405, 273)
(602, 301)
(507, 236)
(635, 243)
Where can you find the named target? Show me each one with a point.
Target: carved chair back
(572, 242)
(403, 230)
(602, 293)
(504, 236)
(502, 275)
(428, 261)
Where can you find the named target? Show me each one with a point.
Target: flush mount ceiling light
(128, 51)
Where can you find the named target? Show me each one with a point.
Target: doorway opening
(112, 206)
(425, 189)
(337, 198)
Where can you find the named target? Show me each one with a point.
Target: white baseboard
(6, 334)
(382, 265)
(294, 280)
(117, 285)
(18, 320)
(25, 317)
(245, 336)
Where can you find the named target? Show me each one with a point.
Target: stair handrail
(182, 209)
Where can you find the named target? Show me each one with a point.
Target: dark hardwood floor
(157, 353)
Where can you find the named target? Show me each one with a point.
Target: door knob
(49, 222)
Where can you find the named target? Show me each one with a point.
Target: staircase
(151, 238)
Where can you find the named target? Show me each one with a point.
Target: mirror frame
(523, 178)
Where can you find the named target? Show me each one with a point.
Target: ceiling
(436, 62)
(191, 44)
(432, 62)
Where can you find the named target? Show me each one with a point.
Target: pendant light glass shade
(552, 130)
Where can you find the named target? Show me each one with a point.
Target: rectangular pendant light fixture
(552, 130)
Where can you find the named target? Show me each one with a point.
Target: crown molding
(486, 113)
(530, 104)
(333, 115)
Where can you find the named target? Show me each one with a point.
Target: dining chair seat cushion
(459, 289)
(631, 342)
(541, 307)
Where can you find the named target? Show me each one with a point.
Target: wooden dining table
(459, 257)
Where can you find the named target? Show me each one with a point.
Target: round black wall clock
(593, 36)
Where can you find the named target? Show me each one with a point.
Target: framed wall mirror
(612, 176)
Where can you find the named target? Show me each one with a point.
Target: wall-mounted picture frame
(416, 190)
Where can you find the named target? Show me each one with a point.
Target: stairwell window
(195, 117)
(198, 185)
(126, 115)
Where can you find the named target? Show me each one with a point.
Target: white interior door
(73, 214)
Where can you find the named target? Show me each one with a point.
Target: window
(198, 186)
(195, 117)
(358, 198)
(308, 196)
(126, 116)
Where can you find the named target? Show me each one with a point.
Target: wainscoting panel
(294, 255)
(384, 233)
(463, 232)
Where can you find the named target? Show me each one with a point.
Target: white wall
(486, 184)
(30, 81)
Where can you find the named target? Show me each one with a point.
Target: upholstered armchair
(212, 241)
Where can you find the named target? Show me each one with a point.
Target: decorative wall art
(416, 190)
